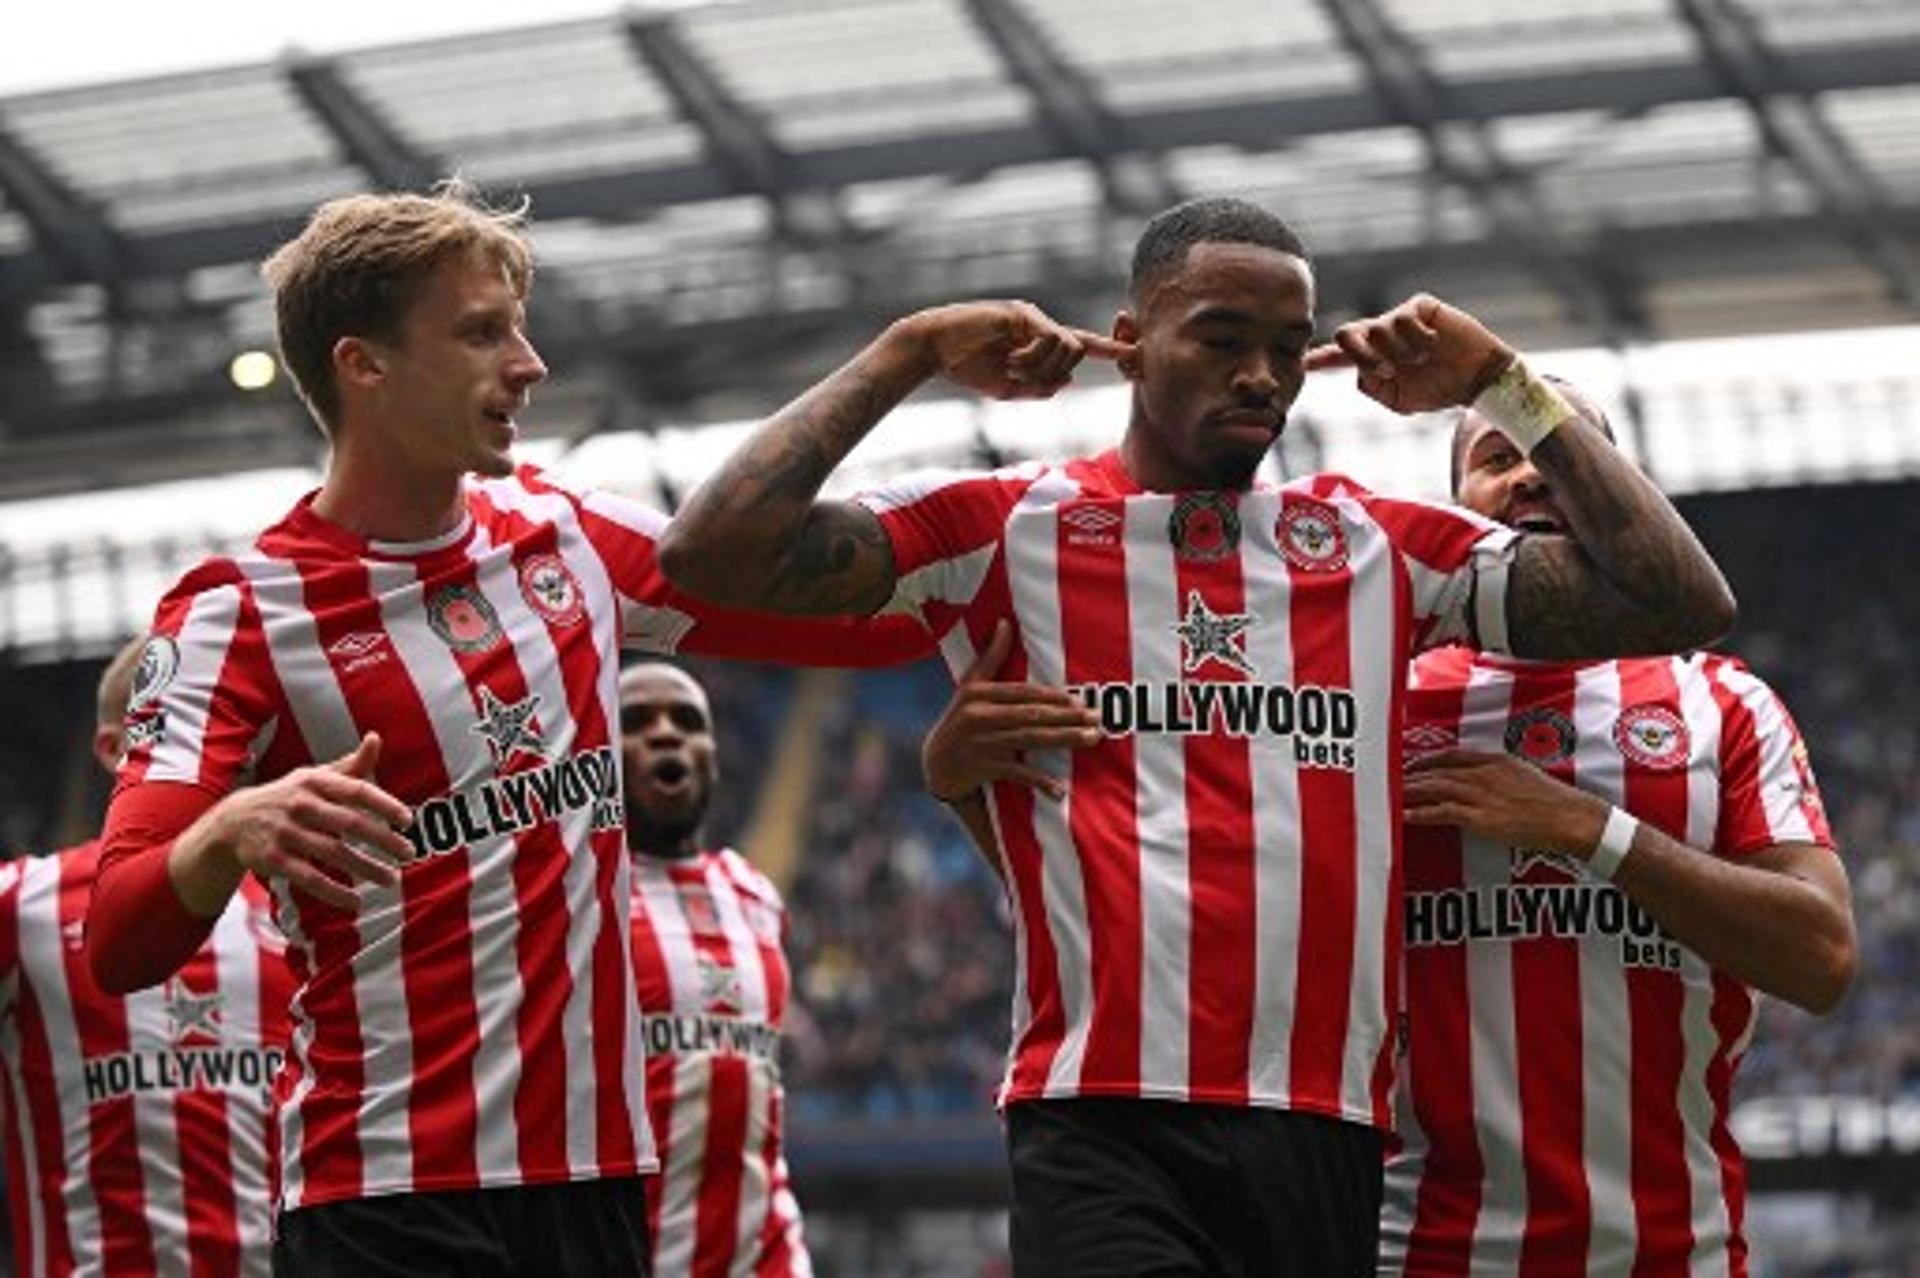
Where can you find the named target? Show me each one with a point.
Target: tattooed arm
(1632, 577)
(753, 536)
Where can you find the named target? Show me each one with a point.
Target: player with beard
(1580, 976)
(1208, 927)
(713, 986)
(1607, 861)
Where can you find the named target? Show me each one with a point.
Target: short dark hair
(1220, 219)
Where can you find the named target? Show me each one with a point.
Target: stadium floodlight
(253, 370)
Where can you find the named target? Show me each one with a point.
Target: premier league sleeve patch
(159, 663)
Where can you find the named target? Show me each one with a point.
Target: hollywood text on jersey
(1322, 722)
(1529, 911)
(180, 1069)
(682, 1034)
(508, 804)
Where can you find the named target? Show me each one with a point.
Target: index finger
(1326, 356)
(1100, 346)
(987, 662)
(364, 795)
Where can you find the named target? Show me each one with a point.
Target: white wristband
(1523, 407)
(1615, 842)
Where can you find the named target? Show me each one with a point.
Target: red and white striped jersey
(713, 983)
(1213, 912)
(138, 1129)
(474, 1025)
(1562, 1102)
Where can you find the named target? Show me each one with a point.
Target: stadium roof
(730, 197)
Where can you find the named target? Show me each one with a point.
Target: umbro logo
(1092, 526)
(359, 649)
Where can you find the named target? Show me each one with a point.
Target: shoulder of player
(744, 875)
(973, 487)
(1442, 668)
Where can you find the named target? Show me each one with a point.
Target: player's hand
(1007, 350)
(988, 726)
(322, 828)
(1499, 797)
(1417, 357)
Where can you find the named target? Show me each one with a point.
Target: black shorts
(1115, 1188)
(586, 1227)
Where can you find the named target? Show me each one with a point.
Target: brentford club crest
(1310, 536)
(1204, 527)
(463, 619)
(551, 589)
(1542, 736)
(1652, 736)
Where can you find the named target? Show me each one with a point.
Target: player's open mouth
(670, 772)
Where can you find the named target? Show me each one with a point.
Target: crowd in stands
(1829, 586)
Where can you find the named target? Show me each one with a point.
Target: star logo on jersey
(510, 728)
(1206, 635)
(192, 1013)
(719, 987)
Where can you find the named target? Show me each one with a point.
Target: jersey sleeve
(945, 528)
(1457, 564)
(1768, 794)
(205, 700)
(204, 706)
(12, 876)
(658, 617)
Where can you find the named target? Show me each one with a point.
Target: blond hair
(360, 262)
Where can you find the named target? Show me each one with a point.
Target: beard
(667, 833)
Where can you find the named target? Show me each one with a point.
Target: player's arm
(986, 734)
(1779, 919)
(174, 855)
(753, 535)
(1632, 578)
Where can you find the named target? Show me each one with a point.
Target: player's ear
(1127, 329)
(357, 361)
